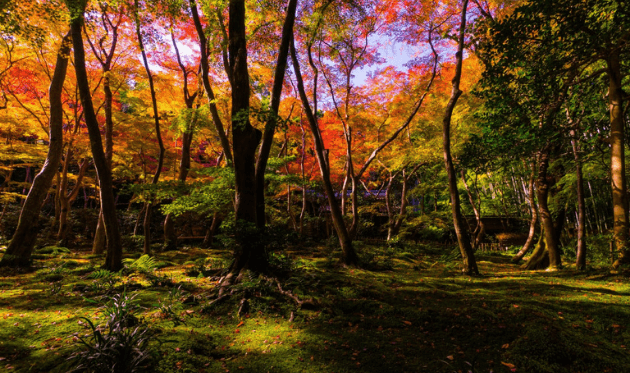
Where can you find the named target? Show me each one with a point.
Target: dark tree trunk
(100, 241)
(245, 139)
(267, 139)
(349, 256)
(480, 229)
(217, 219)
(65, 201)
(158, 134)
(146, 248)
(113, 259)
(205, 70)
(470, 264)
(18, 253)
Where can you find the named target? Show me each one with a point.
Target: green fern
(101, 274)
(143, 264)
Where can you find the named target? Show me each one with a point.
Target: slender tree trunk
(617, 160)
(205, 70)
(158, 134)
(270, 126)
(302, 169)
(18, 253)
(580, 260)
(66, 201)
(349, 256)
(146, 248)
(480, 229)
(388, 205)
(470, 264)
(113, 259)
(217, 219)
(533, 221)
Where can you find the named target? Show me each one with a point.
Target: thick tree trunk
(276, 92)
(548, 231)
(113, 259)
(18, 253)
(349, 256)
(533, 221)
(470, 264)
(245, 139)
(617, 161)
(540, 257)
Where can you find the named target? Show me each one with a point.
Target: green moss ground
(420, 315)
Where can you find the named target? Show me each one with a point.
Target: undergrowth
(407, 308)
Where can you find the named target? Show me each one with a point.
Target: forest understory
(408, 309)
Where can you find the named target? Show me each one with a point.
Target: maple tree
(159, 73)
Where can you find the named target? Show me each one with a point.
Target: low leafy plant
(103, 280)
(170, 307)
(144, 264)
(121, 346)
(281, 261)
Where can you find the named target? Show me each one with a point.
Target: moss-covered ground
(412, 312)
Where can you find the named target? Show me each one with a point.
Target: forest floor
(410, 311)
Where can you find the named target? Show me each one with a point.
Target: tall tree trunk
(245, 139)
(205, 70)
(158, 134)
(533, 221)
(349, 256)
(617, 160)
(270, 126)
(105, 58)
(113, 259)
(580, 259)
(470, 264)
(18, 253)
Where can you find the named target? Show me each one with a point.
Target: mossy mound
(50, 252)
